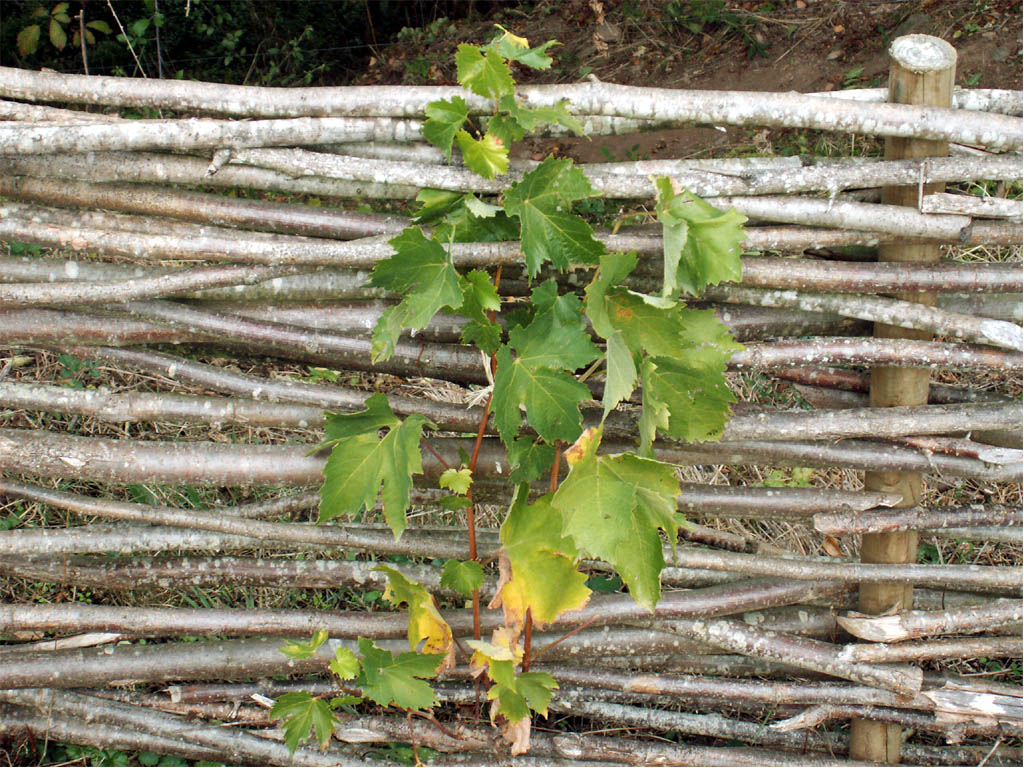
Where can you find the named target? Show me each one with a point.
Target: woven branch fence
(750, 644)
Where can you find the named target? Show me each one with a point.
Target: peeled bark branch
(237, 744)
(712, 107)
(124, 407)
(975, 577)
(912, 624)
(970, 205)
(981, 99)
(213, 571)
(182, 169)
(871, 217)
(948, 648)
(193, 134)
(621, 184)
(17, 723)
(880, 277)
(99, 460)
(885, 352)
(802, 652)
(903, 314)
(161, 622)
(203, 207)
(21, 294)
(916, 518)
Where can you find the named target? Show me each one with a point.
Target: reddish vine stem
(437, 456)
(527, 640)
(471, 510)
(566, 636)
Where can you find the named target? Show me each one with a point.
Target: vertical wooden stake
(921, 71)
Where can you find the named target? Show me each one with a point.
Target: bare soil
(800, 45)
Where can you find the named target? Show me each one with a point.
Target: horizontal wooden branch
(974, 577)
(916, 518)
(16, 722)
(610, 609)
(707, 692)
(913, 624)
(183, 281)
(1007, 102)
(807, 653)
(51, 455)
(832, 178)
(903, 314)
(970, 205)
(797, 274)
(712, 107)
(124, 407)
(947, 648)
(234, 743)
(203, 207)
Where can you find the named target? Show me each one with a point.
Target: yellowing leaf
(538, 565)
(426, 625)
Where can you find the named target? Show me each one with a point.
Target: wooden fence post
(921, 71)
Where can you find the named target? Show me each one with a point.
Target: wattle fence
(750, 643)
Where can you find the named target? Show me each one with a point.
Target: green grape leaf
(435, 204)
(305, 650)
(362, 465)
(422, 274)
(345, 665)
(426, 625)
(456, 480)
(485, 74)
(486, 336)
(529, 459)
(511, 704)
(613, 507)
(478, 296)
(529, 118)
(614, 267)
(506, 128)
(445, 118)
(454, 503)
(704, 242)
(482, 210)
(462, 576)
(300, 712)
(388, 679)
(515, 48)
(550, 232)
(689, 394)
(487, 156)
(556, 337)
(536, 688)
(620, 376)
(541, 576)
(376, 415)
(551, 399)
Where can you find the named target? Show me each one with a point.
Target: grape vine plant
(612, 507)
